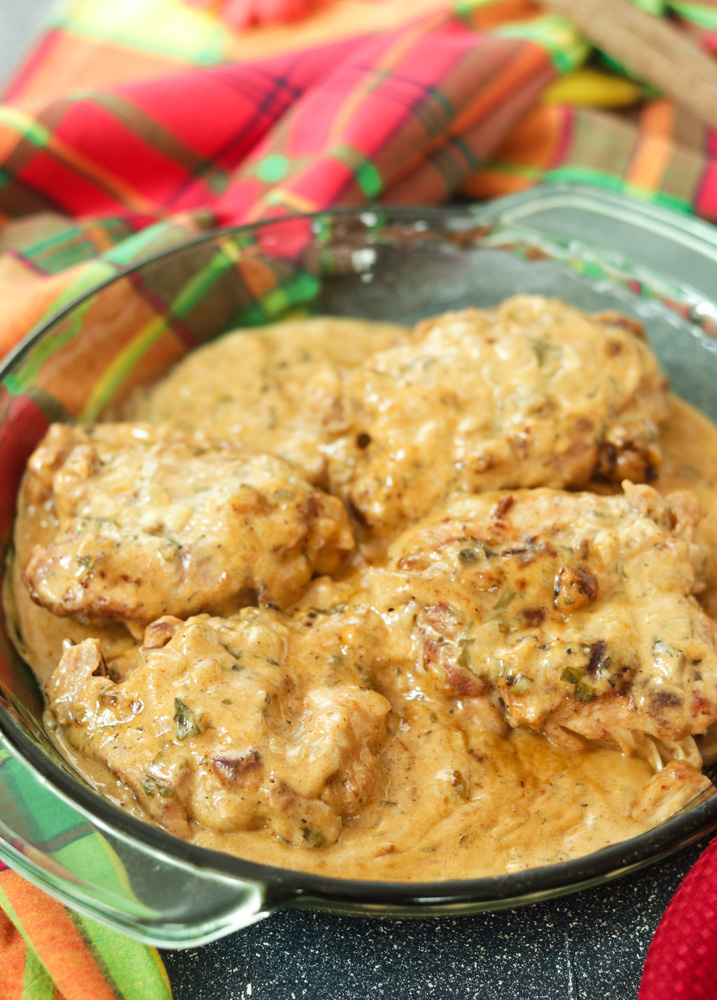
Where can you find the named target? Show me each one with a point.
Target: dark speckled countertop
(589, 946)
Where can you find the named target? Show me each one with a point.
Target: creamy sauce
(36, 632)
(462, 796)
(689, 462)
(532, 804)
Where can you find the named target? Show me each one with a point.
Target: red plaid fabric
(682, 960)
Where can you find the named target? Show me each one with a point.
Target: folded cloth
(49, 951)
(402, 115)
(133, 125)
(682, 958)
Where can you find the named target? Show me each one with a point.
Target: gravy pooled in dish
(384, 603)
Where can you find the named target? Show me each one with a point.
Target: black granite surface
(589, 946)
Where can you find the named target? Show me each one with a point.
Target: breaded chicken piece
(220, 723)
(532, 393)
(277, 389)
(150, 521)
(562, 610)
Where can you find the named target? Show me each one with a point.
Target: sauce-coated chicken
(499, 673)
(533, 393)
(277, 389)
(221, 722)
(151, 522)
(562, 609)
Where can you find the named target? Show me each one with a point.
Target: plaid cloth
(136, 124)
(48, 952)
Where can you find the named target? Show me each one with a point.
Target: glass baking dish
(593, 249)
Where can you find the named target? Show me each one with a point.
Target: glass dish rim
(286, 885)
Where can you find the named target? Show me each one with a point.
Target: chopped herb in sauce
(153, 787)
(184, 721)
(476, 552)
(464, 653)
(366, 681)
(519, 683)
(504, 600)
(314, 838)
(545, 352)
(583, 691)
